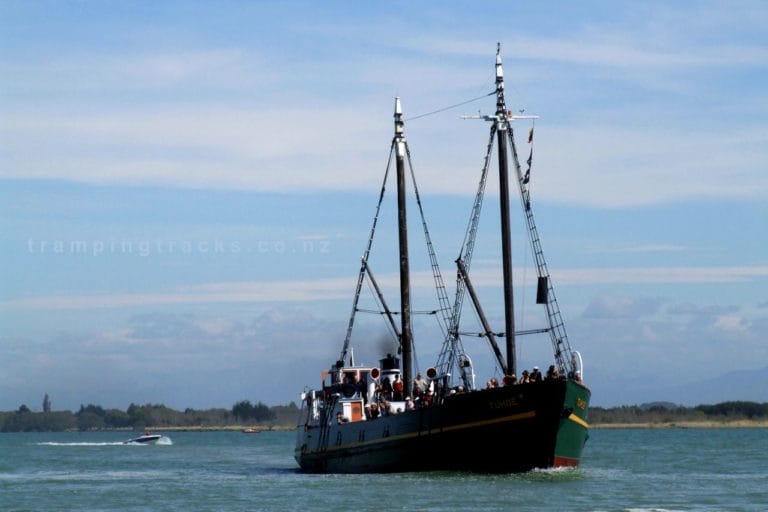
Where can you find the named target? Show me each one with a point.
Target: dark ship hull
(508, 429)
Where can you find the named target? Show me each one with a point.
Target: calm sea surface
(634, 470)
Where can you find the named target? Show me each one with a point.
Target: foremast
(400, 153)
(406, 335)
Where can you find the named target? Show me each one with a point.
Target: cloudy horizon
(187, 189)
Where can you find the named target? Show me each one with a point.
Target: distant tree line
(148, 416)
(139, 417)
(245, 411)
(664, 412)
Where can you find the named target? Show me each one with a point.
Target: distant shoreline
(226, 428)
(254, 419)
(593, 426)
(682, 425)
(666, 425)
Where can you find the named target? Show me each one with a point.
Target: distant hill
(747, 385)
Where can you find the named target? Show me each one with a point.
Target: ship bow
(574, 429)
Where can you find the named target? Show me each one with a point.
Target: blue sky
(186, 188)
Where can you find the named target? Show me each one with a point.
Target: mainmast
(406, 336)
(506, 239)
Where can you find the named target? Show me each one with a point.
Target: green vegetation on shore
(148, 416)
(664, 413)
(244, 413)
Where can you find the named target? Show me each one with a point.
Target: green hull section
(574, 428)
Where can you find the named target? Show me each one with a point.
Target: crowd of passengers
(423, 391)
(530, 377)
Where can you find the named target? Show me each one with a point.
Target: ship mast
(506, 239)
(406, 336)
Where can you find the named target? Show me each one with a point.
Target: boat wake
(51, 443)
(164, 440)
(559, 474)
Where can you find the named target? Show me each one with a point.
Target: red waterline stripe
(561, 462)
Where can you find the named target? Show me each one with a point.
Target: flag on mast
(527, 176)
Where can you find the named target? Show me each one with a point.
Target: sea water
(622, 470)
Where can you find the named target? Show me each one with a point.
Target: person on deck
(397, 389)
(420, 383)
(417, 393)
(386, 389)
(552, 373)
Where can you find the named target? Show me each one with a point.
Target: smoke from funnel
(385, 344)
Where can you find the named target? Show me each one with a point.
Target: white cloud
(662, 275)
(283, 150)
(639, 46)
(342, 287)
(264, 291)
(279, 133)
(732, 324)
(638, 275)
(648, 248)
(218, 66)
(618, 166)
(615, 307)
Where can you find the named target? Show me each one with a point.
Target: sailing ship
(366, 419)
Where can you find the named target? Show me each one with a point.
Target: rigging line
(525, 283)
(450, 107)
(442, 294)
(426, 312)
(418, 370)
(366, 254)
(390, 329)
(372, 311)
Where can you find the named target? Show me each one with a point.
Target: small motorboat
(251, 430)
(145, 438)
